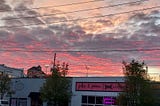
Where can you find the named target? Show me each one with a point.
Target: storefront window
(18, 101)
(91, 99)
(98, 101)
(99, 105)
(22, 102)
(84, 99)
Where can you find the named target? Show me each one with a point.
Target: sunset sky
(92, 36)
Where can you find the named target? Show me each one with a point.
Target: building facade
(86, 91)
(96, 91)
(26, 92)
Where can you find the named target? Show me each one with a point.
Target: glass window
(91, 99)
(84, 99)
(99, 100)
(114, 101)
(22, 102)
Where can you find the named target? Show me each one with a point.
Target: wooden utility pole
(54, 61)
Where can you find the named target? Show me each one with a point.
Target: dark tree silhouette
(138, 90)
(56, 89)
(5, 82)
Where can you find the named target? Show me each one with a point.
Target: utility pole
(87, 70)
(54, 61)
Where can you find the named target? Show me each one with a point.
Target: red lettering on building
(100, 86)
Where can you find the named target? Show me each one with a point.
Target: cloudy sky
(92, 36)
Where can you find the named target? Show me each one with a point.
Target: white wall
(13, 72)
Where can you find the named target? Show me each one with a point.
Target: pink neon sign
(100, 86)
(109, 101)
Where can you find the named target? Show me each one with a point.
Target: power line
(70, 48)
(114, 50)
(62, 5)
(82, 10)
(71, 20)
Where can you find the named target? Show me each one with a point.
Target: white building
(86, 91)
(12, 72)
(95, 91)
(26, 91)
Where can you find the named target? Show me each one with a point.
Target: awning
(34, 95)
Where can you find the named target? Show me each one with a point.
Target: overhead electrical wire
(62, 5)
(71, 20)
(113, 50)
(82, 10)
(72, 48)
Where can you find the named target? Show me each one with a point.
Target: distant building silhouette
(154, 76)
(35, 72)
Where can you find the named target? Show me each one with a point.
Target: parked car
(4, 103)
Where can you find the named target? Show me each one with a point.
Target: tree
(138, 90)
(4, 85)
(55, 90)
